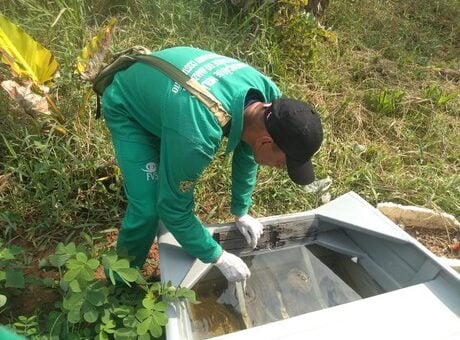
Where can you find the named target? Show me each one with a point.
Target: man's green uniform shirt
(143, 105)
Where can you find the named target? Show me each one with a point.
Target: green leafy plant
(33, 65)
(384, 101)
(27, 326)
(11, 275)
(35, 68)
(437, 96)
(299, 31)
(127, 307)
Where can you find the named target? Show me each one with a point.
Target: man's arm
(181, 164)
(244, 172)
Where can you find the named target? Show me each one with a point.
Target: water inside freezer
(283, 283)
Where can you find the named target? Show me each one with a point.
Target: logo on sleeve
(185, 186)
(151, 171)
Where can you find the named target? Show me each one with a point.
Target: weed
(11, 274)
(91, 308)
(437, 96)
(27, 326)
(384, 101)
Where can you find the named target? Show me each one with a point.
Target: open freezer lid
(427, 309)
(351, 211)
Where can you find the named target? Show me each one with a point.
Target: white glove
(250, 228)
(233, 268)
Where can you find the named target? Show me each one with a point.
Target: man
(164, 138)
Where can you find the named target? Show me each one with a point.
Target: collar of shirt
(236, 127)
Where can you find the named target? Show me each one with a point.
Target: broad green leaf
(92, 56)
(97, 297)
(122, 311)
(155, 329)
(120, 264)
(148, 302)
(108, 260)
(74, 286)
(74, 316)
(112, 277)
(156, 287)
(25, 56)
(74, 264)
(2, 300)
(63, 284)
(92, 264)
(186, 294)
(70, 249)
(143, 313)
(82, 257)
(91, 316)
(87, 273)
(71, 274)
(144, 326)
(58, 260)
(160, 318)
(130, 321)
(87, 238)
(105, 318)
(125, 334)
(144, 337)
(73, 301)
(6, 254)
(102, 336)
(14, 279)
(160, 306)
(141, 280)
(129, 274)
(31, 331)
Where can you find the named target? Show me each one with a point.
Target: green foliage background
(389, 105)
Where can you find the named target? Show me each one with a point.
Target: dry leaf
(32, 103)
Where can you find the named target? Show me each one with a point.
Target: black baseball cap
(296, 128)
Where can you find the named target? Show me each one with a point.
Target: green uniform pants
(137, 153)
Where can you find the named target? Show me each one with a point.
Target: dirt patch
(441, 242)
(151, 269)
(37, 297)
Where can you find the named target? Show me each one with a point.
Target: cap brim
(301, 173)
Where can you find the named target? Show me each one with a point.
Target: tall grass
(391, 120)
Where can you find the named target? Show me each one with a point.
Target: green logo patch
(185, 186)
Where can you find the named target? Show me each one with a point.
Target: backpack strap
(105, 78)
(190, 84)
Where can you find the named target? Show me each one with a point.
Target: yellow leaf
(92, 56)
(26, 57)
(32, 103)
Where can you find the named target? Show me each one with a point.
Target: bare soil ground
(441, 242)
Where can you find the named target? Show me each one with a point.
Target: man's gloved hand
(250, 228)
(233, 268)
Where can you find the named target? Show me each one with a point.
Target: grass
(391, 121)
